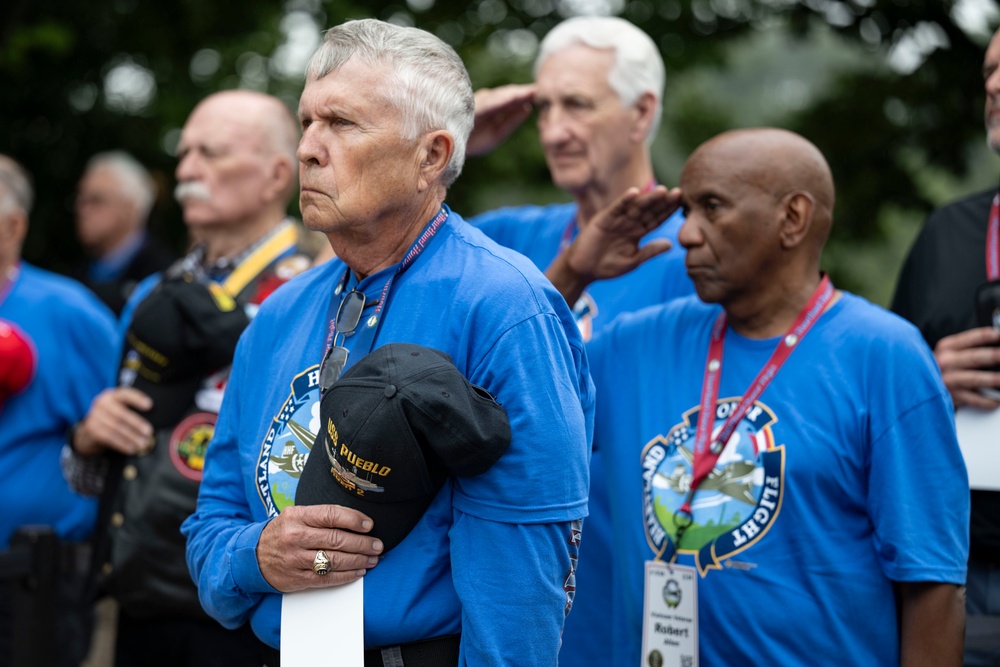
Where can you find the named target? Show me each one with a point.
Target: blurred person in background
(57, 343)
(598, 92)
(956, 254)
(142, 444)
(113, 201)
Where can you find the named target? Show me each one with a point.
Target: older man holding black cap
(486, 574)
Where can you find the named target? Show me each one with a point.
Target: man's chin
(570, 181)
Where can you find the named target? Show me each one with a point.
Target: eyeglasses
(348, 316)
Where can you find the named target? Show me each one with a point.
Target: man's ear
(436, 149)
(645, 114)
(281, 179)
(797, 218)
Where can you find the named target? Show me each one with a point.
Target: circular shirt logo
(189, 442)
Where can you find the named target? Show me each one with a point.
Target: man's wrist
(78, 442)
(568, 281)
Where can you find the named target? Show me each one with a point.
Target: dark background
(890, 90)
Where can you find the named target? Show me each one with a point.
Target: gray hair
(638, 66)
(429, 84)
(15, 187)
(134, 181)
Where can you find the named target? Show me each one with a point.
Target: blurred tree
(890, 90)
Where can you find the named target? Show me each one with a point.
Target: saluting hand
(608, 245)
(499, 111)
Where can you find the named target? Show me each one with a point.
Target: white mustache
(191, 190)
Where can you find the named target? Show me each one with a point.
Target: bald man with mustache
(141, 446)
(779, 451)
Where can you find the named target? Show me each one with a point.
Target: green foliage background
(890, 90)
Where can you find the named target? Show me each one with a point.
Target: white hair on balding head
(134, 181)
(429, 84)
(638, 66)
(282, 134)
(15, 187)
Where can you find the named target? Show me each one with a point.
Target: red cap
(17, 360)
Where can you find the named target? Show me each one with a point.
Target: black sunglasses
(348, 316)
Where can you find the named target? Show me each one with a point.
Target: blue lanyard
(364, 336)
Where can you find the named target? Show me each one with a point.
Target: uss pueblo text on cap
(393, 428)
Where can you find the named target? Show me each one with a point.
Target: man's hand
(112, 423)
(608, 246)
(499, 111)
(963, 358)
(289, 542)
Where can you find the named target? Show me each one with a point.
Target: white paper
(979, 439)
(314, 620)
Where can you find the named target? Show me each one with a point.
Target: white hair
(638, 66)
(134, 181)
(429, 84)
(15, 187)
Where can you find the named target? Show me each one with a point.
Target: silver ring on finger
(321, 563)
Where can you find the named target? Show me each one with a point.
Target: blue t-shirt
(538, 232)
(492, 557)
(74, 336)
(843, 477)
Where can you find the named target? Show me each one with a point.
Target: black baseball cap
(393, 428)
(184, 330)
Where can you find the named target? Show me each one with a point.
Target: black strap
(436, 652)
(101, 537)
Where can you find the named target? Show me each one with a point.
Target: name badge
(670, 616)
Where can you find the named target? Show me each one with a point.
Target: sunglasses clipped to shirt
(346, 322)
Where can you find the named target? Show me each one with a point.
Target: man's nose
(992, 85)
(188, 168)
(311, 150)
(554, 127)
(689, 235)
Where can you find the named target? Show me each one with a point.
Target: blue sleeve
(522, 589)
(91, 354)
(919, 496)
(543, 383)
(918, 484)
(222, 534)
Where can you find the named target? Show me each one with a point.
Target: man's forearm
(932, 624)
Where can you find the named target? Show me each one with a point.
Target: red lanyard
(7, 281)
(993, 241)
(707, 449)
(411, 255)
